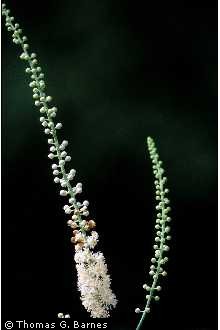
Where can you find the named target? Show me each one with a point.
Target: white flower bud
(83, 223)
(35, 96)
(42, 110)
(73, 172)
(78, 190)
(137, 311)
(48, 98)
(24, 57)
(68, 159)
(61, 147)
(37, 103)
(44, 124)
(47, 131)
(56, 180)
(51, 156)
(58, 126)
(32, 84)
(68, 210)
(50, 141)
(69, 222)
(63, 193)
(157, 253)
(16, 41)
(63, 154)
(62, 162)
(53, 149)
(84, 208)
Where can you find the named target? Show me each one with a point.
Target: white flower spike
(93, 279)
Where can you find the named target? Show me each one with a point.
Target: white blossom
(94, 283)
(92, 240)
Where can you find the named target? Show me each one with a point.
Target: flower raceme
(93, 279)
(162, 233)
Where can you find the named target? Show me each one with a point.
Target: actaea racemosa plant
(93, 278)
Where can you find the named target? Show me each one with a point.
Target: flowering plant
(93, 278)
(162, 232)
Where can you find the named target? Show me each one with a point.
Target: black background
(118, 71)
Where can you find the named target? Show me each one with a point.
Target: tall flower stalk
(162, 233)
(93, 279)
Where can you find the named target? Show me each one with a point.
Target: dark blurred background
(118, 71)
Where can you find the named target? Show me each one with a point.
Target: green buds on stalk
(162, 235)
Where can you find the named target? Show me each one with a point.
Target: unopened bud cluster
(162, 229)
(57, 151)
(63, 316)
(82, 226)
